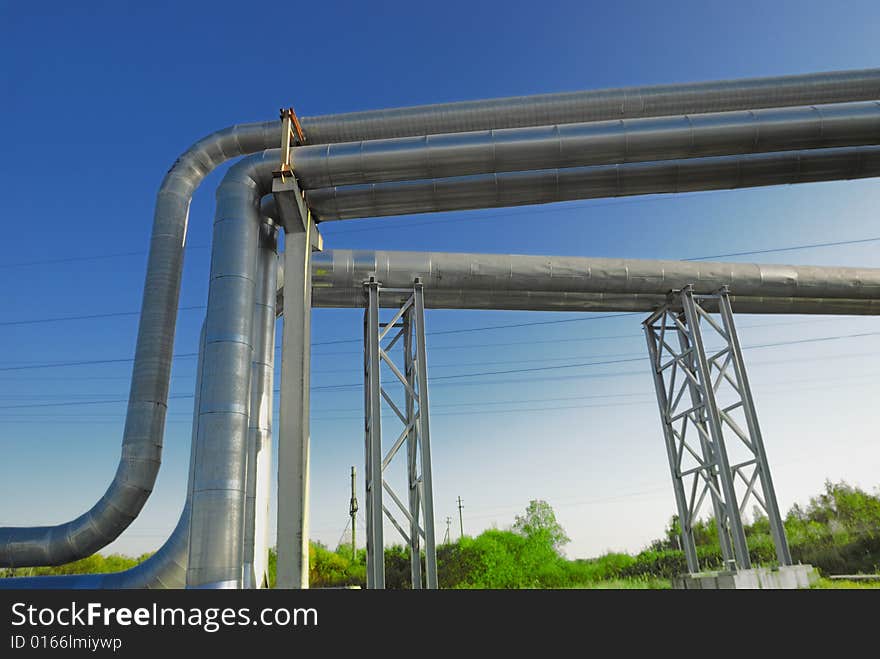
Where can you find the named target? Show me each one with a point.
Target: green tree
(539, 522)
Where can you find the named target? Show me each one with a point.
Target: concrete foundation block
(788, 577)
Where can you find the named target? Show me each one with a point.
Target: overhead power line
(483, 373)
(90, 257)
(85, 362)
(94, 316)
(114, 314)
(458, 346)
(838, 243)
(190, 355)
(636, 399)
(611, 361)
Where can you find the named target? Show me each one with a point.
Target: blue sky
(100, 98)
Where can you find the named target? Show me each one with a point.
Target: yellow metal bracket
(291, 135)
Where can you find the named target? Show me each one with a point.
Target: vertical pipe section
(219, 482)
(151, 371)
(293, 433)
(167, 567)
(256, 548)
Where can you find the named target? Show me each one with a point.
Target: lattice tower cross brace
(408, 324)
(705, 377)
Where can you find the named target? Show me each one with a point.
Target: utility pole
(446, 540)
(352, 510)
(460, 521)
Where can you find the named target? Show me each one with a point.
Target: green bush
(837, 532)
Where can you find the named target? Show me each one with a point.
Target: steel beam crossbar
(720, 408)
(408, 400)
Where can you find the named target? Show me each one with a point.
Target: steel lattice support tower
(713, 440)
(406, 331)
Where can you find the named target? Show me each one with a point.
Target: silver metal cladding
(439, 271)
(166, 568)
(596, 105)
(569, 184)
(219, 481)
(259, 457)
(352, 298)
(148, 398)
(594, 143)
(220, 477)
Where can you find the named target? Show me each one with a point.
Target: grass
(635, 583)
(654, 583)
(843, 584)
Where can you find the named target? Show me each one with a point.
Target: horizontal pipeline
(145, 420)
(582, 144)
(595, 105)
(554, 185)
(513, 274)
(605, 302)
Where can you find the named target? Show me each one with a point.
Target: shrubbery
(94, 564)
(838, 532)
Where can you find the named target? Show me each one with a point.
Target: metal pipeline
(145, 420)
(521, 274)
(220, 477)
(474, 298)
(166, 568)
(548, 186)
(596, 105)
(557, 283)
(148, 398)
(259, 450)
(595, 143)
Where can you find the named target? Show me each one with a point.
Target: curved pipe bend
(145, 419)
(148, 398)
(167, 567)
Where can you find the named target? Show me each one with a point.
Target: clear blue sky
(98, 99)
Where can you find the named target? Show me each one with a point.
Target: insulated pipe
(473, 298)
(166, 568)
(144, 429)
(548, 186)
(220, 477)
(148, 398)
(594, 143)
(515, 274)
(595, 105)
(259, 450)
